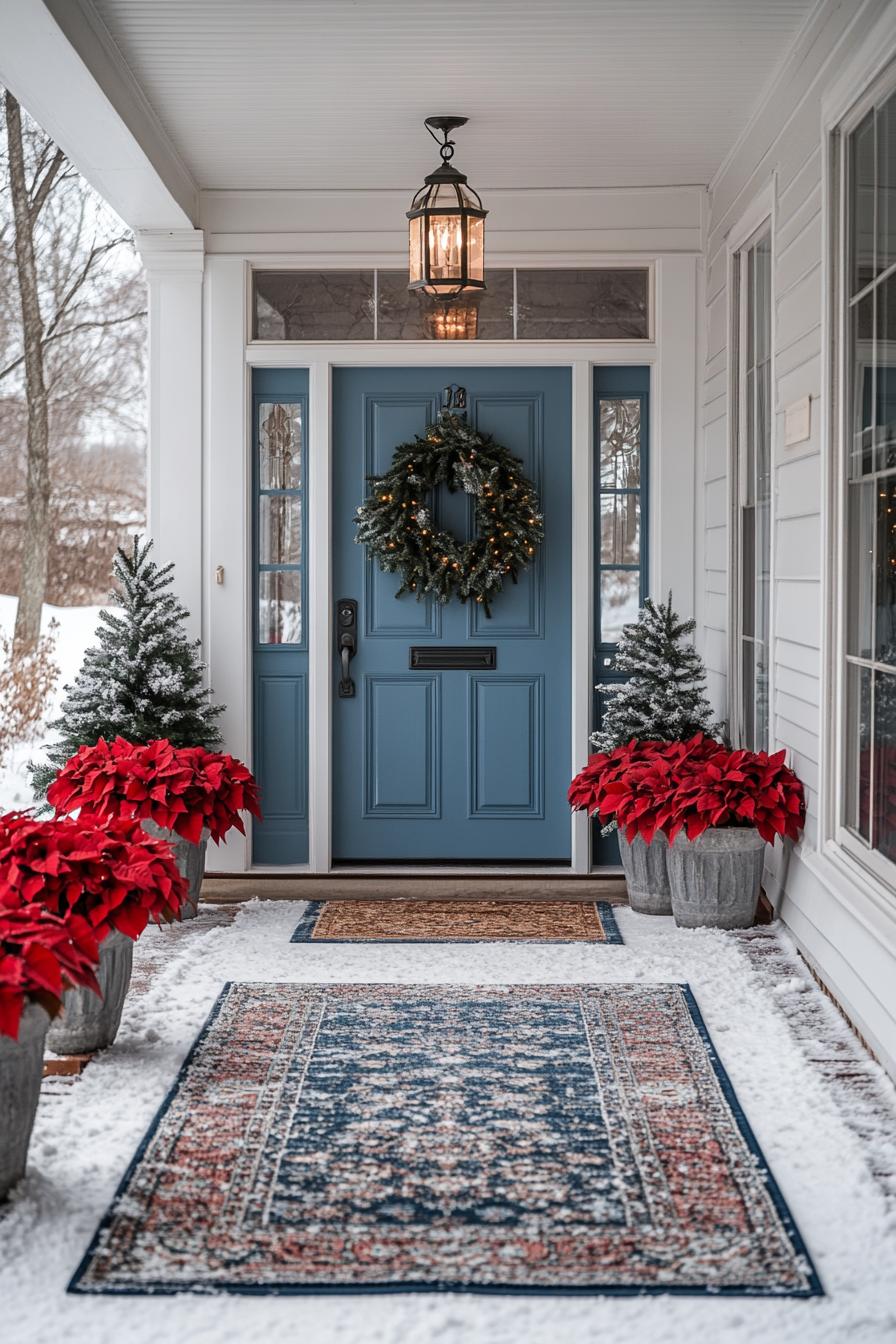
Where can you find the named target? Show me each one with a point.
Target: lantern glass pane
(476, 249)
(415, 244)
(445, 244)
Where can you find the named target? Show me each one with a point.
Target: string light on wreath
(395, 522)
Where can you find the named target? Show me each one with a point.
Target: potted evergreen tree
(41, 956)
(142, 681)
(663, 700)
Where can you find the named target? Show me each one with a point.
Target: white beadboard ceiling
(331, 94)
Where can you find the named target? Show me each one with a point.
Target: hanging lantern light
(447, 226)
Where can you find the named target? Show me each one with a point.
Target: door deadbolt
(346, 644)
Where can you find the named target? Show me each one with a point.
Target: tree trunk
(33, 583)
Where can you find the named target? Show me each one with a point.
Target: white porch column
(174, 265)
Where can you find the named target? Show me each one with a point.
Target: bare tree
(71, 356)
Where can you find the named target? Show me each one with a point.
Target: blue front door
(455, 765)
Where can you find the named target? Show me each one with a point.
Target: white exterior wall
(844, 921)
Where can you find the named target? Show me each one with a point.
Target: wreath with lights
(396, 524)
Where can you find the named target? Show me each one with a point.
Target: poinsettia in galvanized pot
(112, 875)
(719, 815)
(184, 795)
(629, 778)
(41, 957)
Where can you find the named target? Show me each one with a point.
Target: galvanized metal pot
(88, 1023)
(190, 860)
(715, 879)
(646, 874)
(21, 1069)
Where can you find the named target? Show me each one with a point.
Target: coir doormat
(457, 921)
(525, 1138)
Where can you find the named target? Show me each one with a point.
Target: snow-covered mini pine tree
(143, 679)
(665, 698)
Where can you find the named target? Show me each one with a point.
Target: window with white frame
(869, 406)
(751, 493)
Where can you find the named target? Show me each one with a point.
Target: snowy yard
(762, 1010)
(77, 626)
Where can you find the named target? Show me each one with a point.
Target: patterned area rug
(458, 921)
(525, 1138)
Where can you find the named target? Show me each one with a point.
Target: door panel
(403, 774)
(506, 746)
(453, 765)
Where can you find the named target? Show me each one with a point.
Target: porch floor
(823, 1112)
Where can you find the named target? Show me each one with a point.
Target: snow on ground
(86, 1133)
(77, 627)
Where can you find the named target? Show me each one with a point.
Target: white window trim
(874, 70)
(759, 216)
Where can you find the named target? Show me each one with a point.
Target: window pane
(620, 443)
(313, 306)
(748, 570)
(885, 591)
(858, 750)
(886, 184)
(399, 312)
(760, 697)
(762, 574)
(595, 305)
(619, 602)
(279, 529)
(279, 607)
(762, 271)
(861, 507)
(885, 374)
(862, 203)
(751, 308)
(763, 427)
(280, 445)
(862, 385)
(748, 695)
(884, 837)
(749, 448)
(620, 529)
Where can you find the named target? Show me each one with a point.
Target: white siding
(783, 145)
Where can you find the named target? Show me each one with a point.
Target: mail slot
(445, 657)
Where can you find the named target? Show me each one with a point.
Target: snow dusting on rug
(831, 1165)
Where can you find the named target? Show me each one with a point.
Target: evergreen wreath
(395, 522)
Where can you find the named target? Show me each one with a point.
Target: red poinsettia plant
(109, 873)
(41, 956)
(629, 782)
(669, 786)
(736, 788)
(181, 789)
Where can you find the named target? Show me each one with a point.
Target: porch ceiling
(330, 94)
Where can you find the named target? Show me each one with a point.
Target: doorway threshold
(400, 884)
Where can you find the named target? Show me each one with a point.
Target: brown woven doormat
(409, 921)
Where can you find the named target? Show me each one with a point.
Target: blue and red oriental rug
(528, 1138)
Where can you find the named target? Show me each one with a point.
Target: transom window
(870, 410)
(592, 304)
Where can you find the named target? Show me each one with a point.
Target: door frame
(227, 438)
